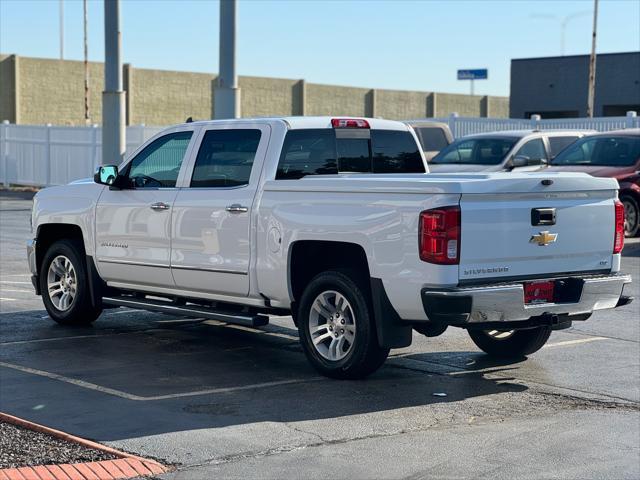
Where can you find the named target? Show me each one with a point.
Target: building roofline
(575, 56)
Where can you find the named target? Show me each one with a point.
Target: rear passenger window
(225, 158)
(307, 152)
(395, 152)
(433, 139)
(557, 144)
(534, 149)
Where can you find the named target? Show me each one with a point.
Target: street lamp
(564, 21)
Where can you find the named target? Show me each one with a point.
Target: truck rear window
(327, 151)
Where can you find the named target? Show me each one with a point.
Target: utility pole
(61, 26)
(87, 119)
(227, 94)
(592, 62)
(113, 130)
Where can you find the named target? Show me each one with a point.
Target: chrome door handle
(237, 208)
(159, 206)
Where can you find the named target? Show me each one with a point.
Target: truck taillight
(349, 123)
(618, 240)
(440, 235)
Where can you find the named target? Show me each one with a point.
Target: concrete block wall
(52, 91)
(7, 88)
(160, 97)
(39, 91)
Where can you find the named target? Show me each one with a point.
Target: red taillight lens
(618, 240)
(440, 236)
(349, 123)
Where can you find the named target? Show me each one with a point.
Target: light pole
(564, 21)
(226, 102)
(87, 120)
(113, 131)
(592, 62)
(61, 26)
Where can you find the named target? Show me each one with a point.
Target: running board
(189, 310)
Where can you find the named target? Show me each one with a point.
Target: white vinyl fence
(461, 126)
(52, 155)
(41, 155)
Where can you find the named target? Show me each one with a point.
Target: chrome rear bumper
(505, 302)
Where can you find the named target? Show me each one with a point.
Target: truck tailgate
(535, 234)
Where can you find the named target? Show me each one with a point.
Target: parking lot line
(5, 299)
(76, 337)
(13, 282)
(574, 342)
(130, 396)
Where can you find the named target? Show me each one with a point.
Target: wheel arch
(307, 258)
(49, 233)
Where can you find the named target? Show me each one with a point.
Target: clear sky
(411, 45)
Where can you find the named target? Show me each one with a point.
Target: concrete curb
(126, 466)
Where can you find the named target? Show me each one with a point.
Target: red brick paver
(122, 468)
(127, 466)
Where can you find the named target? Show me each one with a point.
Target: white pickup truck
(334, 221)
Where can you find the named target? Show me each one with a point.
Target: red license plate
(538, 292)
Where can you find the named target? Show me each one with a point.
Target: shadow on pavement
(144, 358)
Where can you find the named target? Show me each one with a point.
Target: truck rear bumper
(503, 303)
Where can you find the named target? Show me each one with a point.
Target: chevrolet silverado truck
(337, 222)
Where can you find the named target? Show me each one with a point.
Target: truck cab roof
(301, 122)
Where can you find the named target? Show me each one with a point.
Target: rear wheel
(64, 285)
(337, 329)
(631, 216)
(510, 343)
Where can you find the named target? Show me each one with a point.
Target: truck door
(133, 223)
(211, 249)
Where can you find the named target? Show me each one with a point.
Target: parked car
(523, 150)
(611, 154)
(433, 136)
(237, 219)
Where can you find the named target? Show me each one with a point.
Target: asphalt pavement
(222, 401)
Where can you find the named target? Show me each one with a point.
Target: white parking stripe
(12, 282)
(129, 396)
(16, 291)
(5, 299)
(574, 342)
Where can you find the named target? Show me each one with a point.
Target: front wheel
(64, 284)
(510, 343)
(337, 328)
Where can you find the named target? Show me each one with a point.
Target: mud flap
(392, 331)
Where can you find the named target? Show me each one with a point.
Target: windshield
(478, 151)
(601, 151)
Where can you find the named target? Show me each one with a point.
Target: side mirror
(520, 161)
(106, 175)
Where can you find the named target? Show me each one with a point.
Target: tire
(512, 344)
(631, 216)
(64, 268)
(349, 348)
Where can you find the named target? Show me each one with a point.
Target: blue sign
(477, 74)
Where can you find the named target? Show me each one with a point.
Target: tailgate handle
(543, 216)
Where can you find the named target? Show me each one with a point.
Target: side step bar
(188, 310)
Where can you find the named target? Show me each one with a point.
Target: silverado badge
(544, 238)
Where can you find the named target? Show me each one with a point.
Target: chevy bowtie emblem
(544, 238)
